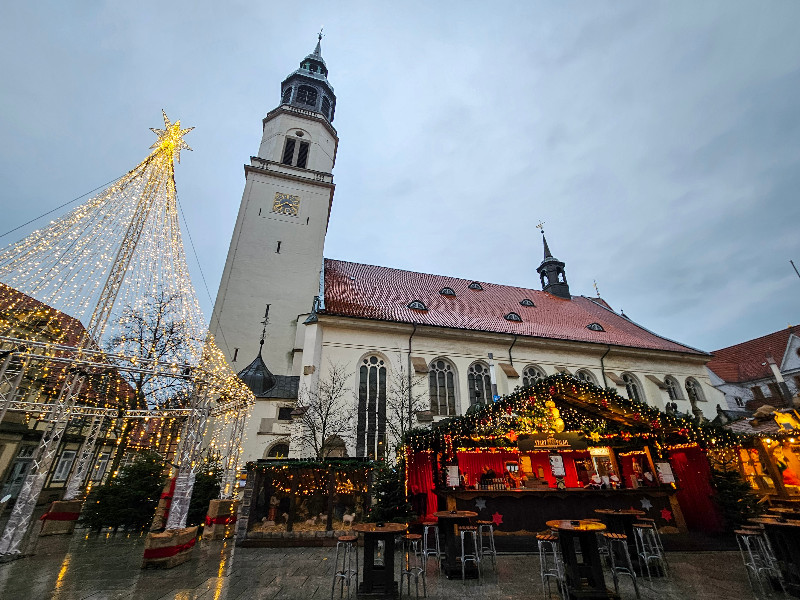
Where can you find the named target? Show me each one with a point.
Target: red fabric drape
(691, 469)
(626, 466)
(542, 459)
(471, 464)
(420, 480)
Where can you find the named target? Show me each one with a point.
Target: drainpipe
(511, 360)
(410, 385)
(603, 366)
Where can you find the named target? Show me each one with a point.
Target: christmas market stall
(302, 500)
(563, 449)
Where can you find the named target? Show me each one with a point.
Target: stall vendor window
(479, 384)
(441, 377)
(371, 424)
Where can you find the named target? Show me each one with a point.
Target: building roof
(383, 294)
(748, 361)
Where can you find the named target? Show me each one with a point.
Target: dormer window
(418, 305)
(526, 302)
(307, 95)
(475, 286)
(595, 327)
(512, 316)
(446, 291)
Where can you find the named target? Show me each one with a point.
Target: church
(343, 357)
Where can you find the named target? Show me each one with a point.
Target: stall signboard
(551, 441)
(664, 470)
(557, 465)
(452, 476)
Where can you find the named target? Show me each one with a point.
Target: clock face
(286, 204)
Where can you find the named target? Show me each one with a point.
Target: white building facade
(443, 344)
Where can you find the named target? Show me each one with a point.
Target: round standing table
(378, 580)
(585, 577)
(447, 521)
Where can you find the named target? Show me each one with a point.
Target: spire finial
(318, 49)
(596, 289)
(264, 329)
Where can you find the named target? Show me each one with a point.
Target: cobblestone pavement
(107, 566)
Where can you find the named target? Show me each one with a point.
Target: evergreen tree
(388, 496)
(128, 500)
(735, 498)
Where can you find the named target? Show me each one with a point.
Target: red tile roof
(744, 362)
(383, 294)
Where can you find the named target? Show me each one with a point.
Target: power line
(105, 185)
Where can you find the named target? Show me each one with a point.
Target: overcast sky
(659, 142)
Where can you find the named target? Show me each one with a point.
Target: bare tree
(325, 414)
(155, 331)
(407, 396)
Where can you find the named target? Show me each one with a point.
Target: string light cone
(83, 305)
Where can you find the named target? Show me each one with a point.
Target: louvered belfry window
(442, 385)
(371, 423)
(288, 152)
(307, 95)
(302, 155)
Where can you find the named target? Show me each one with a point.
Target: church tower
(275, 255)
(552, 274)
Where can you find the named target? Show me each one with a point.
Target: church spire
(551, 272)
(308, 87)
(256, 375)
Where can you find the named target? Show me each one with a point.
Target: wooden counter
(521, 509)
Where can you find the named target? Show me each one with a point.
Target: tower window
(302, 155)
(307, 95)
(326, 106)
(287, 95)
(288, 152)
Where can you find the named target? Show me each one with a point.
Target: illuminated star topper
(170, 139)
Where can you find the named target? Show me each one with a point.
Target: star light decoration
(646, 504)
(170, 139)
(480, 503)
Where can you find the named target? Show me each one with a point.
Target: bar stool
(343, 572)
(550, 563)
(412, 564)
(647, 549)
(617, 544)
(652, 524)
(475, 557)
(759, 560)
(427, 549)
(488, 547)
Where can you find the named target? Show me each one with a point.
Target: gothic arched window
(442, 384)
(673, 389)
(633, 387)
(279, 450)
(479, 383)
(694, 391)
(531, 374)
(587, 376)
(287, 95)
(371, 423)
(326, 106)
(307, 95)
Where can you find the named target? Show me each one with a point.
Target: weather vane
(596, 289)
(541, 226)
(319, 35)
